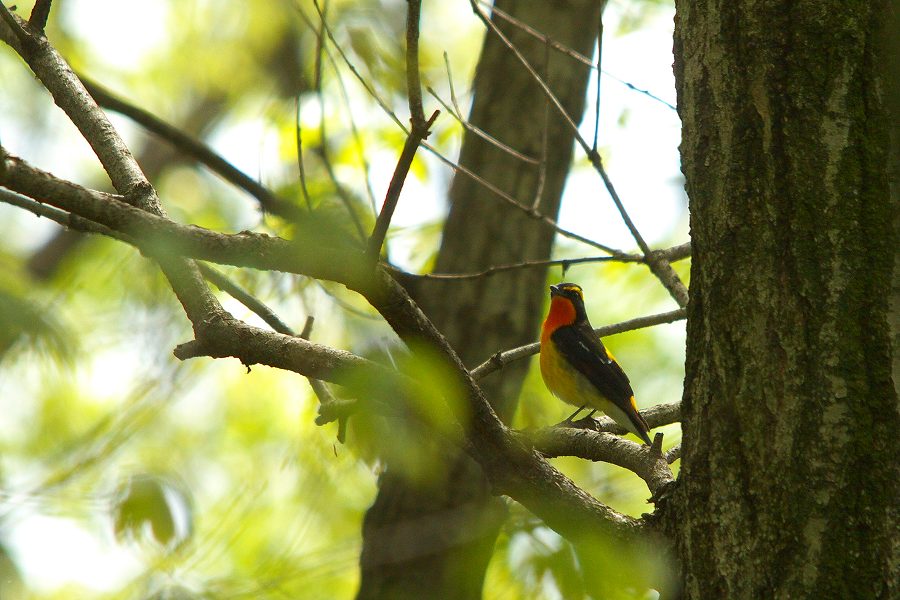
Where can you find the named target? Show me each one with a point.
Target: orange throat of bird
(562, 312)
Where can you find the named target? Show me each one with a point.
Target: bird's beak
(554, 291)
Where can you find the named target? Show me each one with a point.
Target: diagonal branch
(419, 130)
(118, 162)
(659, 267)
(39, 14)
(319, 257)
(195, 149)
(534, 214)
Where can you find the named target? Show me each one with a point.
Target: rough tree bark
(436, 542)
(789, 483)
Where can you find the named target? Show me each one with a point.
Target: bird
(578, 369)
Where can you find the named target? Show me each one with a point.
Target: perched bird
(577, 367)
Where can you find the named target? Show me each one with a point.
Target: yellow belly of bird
(567, 384)
(570, 386)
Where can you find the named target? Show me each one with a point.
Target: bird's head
(566, 305)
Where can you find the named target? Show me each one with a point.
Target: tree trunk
(789, 480)
(436, 542)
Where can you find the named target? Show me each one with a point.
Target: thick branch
(316, 257)
(643, 461)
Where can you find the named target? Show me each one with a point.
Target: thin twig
(39, 14)
(564, 263)
(362, 80)
(570, 52)
(323, 150)
(534, 214)
(634, 88)
(453, 165)
(458, 115)
(663, 271)
(301, 170)
(474, 129)
(528, 264)
(246, 298)
(545, 133)
(501, 359)
(597, 91)
(327, 402)
(413, 81)
(354, 130)
(195, 149)
(418, 131)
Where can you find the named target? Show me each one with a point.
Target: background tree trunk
(789, 482)
(436, 542)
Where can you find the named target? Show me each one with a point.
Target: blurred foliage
(202, 480)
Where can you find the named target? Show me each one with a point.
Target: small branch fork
(419, 131)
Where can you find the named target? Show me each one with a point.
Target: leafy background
(125, 473)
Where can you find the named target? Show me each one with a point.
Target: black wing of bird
(584, 350)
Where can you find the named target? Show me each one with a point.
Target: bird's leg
(586, 420)
(568, 420)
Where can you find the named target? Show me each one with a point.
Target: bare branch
(481, 133)
(501, 359)
(415, 137)
(419, 130)
(597, 90)
(603, 447)
(456, 167)
(413, 83)
(571, 53)
(39, 14)
(195, 149)
(321, 258)
(228, 337)
(668, 277)
(328, 404)
(246, 298)
(78, 223)
(565, 263)
(118, 162)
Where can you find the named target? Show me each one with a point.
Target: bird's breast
(562, 379)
